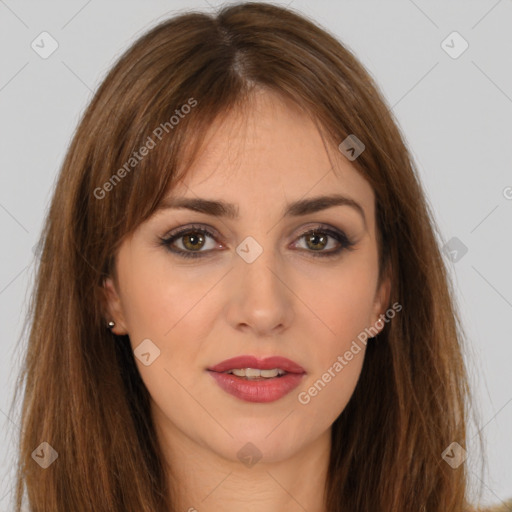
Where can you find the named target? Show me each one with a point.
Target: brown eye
(192, 239)
(316, 241)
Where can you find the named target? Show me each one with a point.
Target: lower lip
(257, 390)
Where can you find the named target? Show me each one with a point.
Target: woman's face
(258, 287)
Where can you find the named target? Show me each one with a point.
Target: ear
(113, 307)
(381, 302)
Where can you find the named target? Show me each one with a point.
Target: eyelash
(339, 236)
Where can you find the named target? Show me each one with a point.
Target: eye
(318, 238)
(194, 238)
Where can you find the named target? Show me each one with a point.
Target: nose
(260, 300)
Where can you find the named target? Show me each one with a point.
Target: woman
(241, 303)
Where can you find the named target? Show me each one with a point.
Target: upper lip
(267, 363)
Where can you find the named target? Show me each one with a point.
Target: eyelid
(202, 228)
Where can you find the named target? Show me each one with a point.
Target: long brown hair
(83, 394)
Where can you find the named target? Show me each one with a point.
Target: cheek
(344, 306)
(326, 393)
(164, 308)
(337, 359)
(344, 302)
(161, 297)
(174, 310)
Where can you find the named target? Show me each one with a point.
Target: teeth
(253, 373)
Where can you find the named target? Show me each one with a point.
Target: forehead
(270, 152)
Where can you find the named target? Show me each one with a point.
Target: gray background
(454, 113)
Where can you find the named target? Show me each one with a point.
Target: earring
(111, 325)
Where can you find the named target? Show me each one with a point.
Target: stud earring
(111, 325)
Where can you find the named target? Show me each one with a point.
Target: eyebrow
(298, 208)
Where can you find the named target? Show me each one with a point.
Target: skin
(199, 312)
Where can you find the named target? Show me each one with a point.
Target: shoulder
(504, 506)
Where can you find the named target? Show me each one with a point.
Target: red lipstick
(258, 388)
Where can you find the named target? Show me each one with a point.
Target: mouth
(257, 380)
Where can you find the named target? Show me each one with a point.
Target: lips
(264, 390)
(267, 363)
